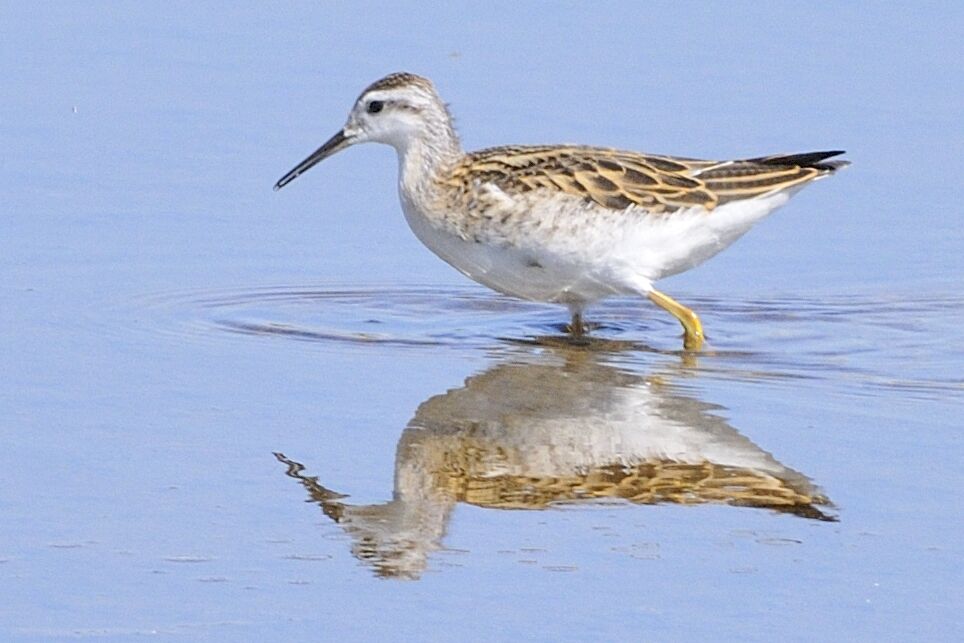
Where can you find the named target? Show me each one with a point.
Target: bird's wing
(618, 180)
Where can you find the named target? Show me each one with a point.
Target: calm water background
(167, 323)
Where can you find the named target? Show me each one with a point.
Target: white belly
(571, 253)
(529, 272)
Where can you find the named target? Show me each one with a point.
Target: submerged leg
(693, 329)
(576, 327)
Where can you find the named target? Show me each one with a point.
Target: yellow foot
(692, 328)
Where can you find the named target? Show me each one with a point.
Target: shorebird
(567, 224)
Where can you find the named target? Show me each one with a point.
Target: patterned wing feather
(617, 180)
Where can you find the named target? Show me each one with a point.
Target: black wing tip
(829, 166)
(807, 159)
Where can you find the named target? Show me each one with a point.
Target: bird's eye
(375, 106)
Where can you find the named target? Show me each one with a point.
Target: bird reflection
(559, 426)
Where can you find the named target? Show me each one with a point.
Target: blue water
(446, 467)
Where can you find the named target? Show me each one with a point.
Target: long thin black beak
(334, 144)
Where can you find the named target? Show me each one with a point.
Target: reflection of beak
(336, 143)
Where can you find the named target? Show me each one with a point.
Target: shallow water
(231, 414)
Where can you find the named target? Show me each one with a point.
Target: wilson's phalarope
(564, 223)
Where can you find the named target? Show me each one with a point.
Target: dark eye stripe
(375, 106)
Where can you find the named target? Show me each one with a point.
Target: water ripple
(866, 343)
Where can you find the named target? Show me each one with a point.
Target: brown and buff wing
(617, 180)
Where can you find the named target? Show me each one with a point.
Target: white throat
(422, 156)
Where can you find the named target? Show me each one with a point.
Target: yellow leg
(693, 329)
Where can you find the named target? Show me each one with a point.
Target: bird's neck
(421, 159)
